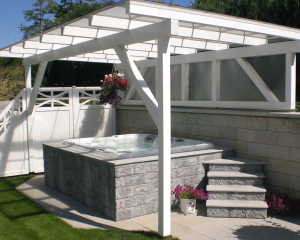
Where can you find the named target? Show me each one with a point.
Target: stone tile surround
(259, 135)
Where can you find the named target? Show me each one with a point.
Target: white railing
(12, 110)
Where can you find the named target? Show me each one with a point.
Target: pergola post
(290, 80)
(164, 136)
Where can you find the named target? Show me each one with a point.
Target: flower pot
(187, 205)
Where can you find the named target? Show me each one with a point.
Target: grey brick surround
(268, 136)
(124, 188)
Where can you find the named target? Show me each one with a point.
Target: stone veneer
(268, 136)
(124, 188)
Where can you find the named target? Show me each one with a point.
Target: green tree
(39, 17)
(68, 10)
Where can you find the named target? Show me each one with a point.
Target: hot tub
(118, 175)
(135, 145)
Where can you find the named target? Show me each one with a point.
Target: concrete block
(124, 130)
(217, 212)
(132, 130)
(204, 119)
(124, 214)
(136, 123)
(280, 152)
(289, 139)
(272, 167)
(125, 192)
(219, 120)
(154, 166)
(176, 117)
(259, 123)
(267, 137)
(141, 210)
(237, 213)
(240, 146)
(211, 131)
(142, 168)
(276, 179)
(150, 177)
(129, 202)
(220, 141)
(256, 213)
(199, 130)
(126, 122)
(294, 182)
(295, 154)
(246, 135)
(228, 133)
(182, 172)
(237, 121)
(190, 161)
(295, 125)
(189, 118)
(257, 149)
(290, 168)
(142, 115)
(278, 124)
(176, 163)
(144, 189)
(125, 170)
(150, 198)
(133, 180)
(191, 129)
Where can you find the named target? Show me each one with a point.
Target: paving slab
(186, 227)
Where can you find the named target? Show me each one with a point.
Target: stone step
(236, 204)
(235, 165)
(233, 192)
(235, 178)
(236, 209)
(236, 189)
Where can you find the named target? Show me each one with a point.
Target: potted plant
(187, 196)
(110, 86)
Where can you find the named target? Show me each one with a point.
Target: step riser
(235, 168)
(236, 196)
(235, 181)
(236, 212)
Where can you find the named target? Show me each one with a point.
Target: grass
(22, 218)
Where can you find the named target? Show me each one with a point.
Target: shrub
(281, 203)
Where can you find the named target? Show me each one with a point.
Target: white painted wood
(257, 80)
(138, 82)
(244, 52)
(164, 136)
(208, 18)
(132, 89)
(216, 80)
(36, 87)
(123, 38)
(185, 81)
(290, 80)
(221, 104)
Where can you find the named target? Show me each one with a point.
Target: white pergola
(137, 34)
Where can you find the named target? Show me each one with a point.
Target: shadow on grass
(266, 232)
(153, 235)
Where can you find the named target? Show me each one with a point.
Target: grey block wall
(271, 137)
(119, 190)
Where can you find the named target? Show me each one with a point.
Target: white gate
(60, 113)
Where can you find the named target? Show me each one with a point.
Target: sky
(11, 17)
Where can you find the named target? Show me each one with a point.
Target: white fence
(60, 113)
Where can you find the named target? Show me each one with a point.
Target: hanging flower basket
(111, 86)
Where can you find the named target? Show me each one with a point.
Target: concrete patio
(194, 226)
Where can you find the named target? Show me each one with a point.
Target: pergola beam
(165, 28)
(252, 51)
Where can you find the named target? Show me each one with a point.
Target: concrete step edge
(236, 174)
(235, 161)
(236, 204)
(236, 188)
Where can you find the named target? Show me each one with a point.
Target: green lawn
(21, 218)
